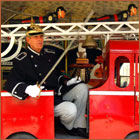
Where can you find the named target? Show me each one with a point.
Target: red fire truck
(113, 104)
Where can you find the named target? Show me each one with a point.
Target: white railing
(67, 31)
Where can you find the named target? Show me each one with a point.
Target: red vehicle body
(114, 110)
(31, 118)
(113, 104)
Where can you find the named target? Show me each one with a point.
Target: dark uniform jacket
(30, 67)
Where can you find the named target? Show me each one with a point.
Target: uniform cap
(60, 9)
(131, 6)
(34, 30)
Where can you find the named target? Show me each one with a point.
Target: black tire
(21, 135)
(134, 135)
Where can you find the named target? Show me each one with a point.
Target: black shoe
(78, 132)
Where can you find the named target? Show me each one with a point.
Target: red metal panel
(137, 90)
(35, 116)
(115, 116)
(111, 116)
(137, 72)
(124, 46)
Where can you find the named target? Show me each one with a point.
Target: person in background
(51, 17)
(121, 16)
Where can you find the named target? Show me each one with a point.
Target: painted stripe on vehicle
(42, 94)
(130, 93)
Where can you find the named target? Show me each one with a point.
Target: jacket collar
(31, 50)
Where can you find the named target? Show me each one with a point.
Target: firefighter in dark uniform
(122, 16)
(51, 17)
(31, 66)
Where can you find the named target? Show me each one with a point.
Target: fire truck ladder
(15, 33)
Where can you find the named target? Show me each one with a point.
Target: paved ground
(61, 133)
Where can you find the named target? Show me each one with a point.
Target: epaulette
(49, 50)
(21, 56)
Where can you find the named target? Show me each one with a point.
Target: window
(122, 72)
